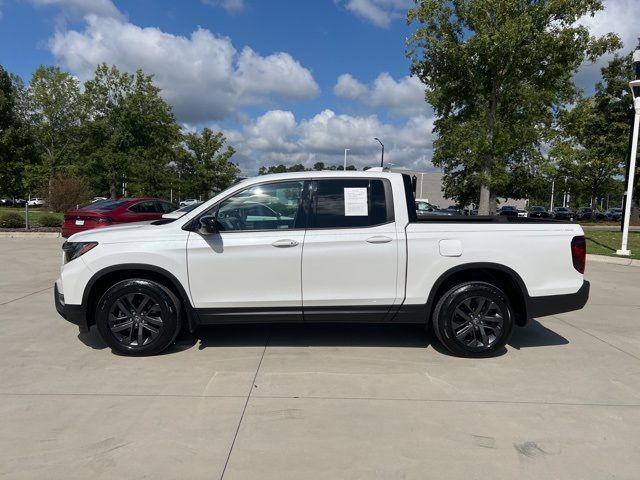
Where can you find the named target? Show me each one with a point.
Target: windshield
(188, 208)
(561, 209)
(105, 205)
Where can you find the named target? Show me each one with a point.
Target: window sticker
(355, 202)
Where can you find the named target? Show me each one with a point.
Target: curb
(29, 234)
(613, 260)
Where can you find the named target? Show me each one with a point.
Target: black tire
(473, 319)
(154, 322)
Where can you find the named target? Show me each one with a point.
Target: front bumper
(76, 314)
(555, 304)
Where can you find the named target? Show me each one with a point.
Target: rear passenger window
(164, 207)
(144, 207)
(365, 204)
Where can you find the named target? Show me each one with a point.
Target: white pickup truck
(321, 247)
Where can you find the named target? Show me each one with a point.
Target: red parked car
(105, 213)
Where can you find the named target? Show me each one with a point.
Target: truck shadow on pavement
(332, 335)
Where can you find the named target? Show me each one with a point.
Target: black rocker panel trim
(338, 314)
(222, 316)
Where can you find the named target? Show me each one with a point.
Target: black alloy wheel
(474, 319)
(138, 317)
(135, 319)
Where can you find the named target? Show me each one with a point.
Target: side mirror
(208, 225)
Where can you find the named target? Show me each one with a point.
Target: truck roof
(323, 174)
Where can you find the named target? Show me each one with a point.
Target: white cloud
(272, 132)
(80, 8)
(379, 12)
(349, 87)
(401, 97)
(231, 6)
(616, 17)
(202, 76)
(278, 74)
(277, 137)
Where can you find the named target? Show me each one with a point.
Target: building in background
(429, 188)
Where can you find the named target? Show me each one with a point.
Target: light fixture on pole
(382, 155)
(345, 158)
(635, 93)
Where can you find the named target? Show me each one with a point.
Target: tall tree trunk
(50, 187)
(487, 196)
(484, 208)
(113, 187)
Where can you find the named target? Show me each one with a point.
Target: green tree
(298, 167)
(495, 70)
(16, 141)
(54, 111)
(591, 145)
(204, 166)
(130, 132)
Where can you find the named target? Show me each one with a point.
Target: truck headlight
(73, 250)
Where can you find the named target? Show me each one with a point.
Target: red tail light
(579, 253)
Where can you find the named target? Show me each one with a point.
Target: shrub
(49, 220)
(11, 220)
(67, 192)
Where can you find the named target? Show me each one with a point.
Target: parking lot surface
(317, 401)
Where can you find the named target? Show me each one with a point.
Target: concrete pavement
(317, 401)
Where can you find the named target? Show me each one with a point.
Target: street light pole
(635, 92)
(382, 155)
(345, 158)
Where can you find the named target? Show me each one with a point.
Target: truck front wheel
(138, 317)
(473, 319)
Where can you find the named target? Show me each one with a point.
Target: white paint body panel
(244, 269)
(539, 253)
(332, 267)
(339, 267)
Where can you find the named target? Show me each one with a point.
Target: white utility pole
(635, 89)
(553, 185)
(345, 158)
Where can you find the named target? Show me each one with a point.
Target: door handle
(379, 239)
(285, 243)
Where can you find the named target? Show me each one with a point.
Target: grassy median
(600, 242)
(34, 213)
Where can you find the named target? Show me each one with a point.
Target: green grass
(601, 242)
(34, 213)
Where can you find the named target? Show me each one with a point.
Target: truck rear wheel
(473, 319)
(138, 317)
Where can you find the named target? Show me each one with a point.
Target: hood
(128, 232)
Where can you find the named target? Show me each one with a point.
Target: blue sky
(288, 81)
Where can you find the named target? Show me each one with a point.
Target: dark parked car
(614, 214)
(539, 212)
(508, 211)
(563, 213)
(584, 213)
(599, 215)
(105, 213)
(453, 210)
(425, 209)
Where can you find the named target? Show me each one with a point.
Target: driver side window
(271, 206)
